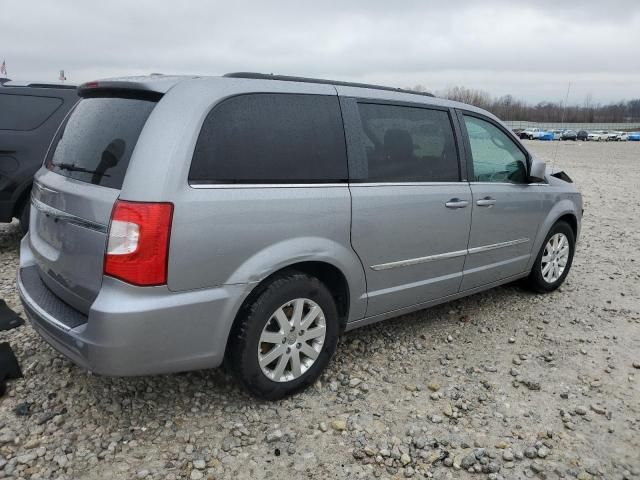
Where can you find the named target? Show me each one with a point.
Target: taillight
(138, 246)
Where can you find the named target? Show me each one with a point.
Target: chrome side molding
(447, 255)
(416, 261)
(494, 246)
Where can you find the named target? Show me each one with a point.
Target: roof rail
(286, 78)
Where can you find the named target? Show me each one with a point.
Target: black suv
(583, 135)
(29, 116)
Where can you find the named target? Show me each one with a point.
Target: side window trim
(357, 159)
(461, 146)
(468, 158)
(460, 113)
(356, 155)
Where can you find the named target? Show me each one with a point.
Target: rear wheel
(285, 336)
(24, 216)
(554, 260)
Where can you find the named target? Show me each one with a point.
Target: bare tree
(509, 108)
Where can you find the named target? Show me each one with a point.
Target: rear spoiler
(150, 85)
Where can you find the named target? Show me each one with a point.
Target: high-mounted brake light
(138, 245)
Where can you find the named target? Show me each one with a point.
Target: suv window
(271, 138)
(25, 112)
(496, 157)
(408, 144)
(97, 140)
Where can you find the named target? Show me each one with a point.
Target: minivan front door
(411, 213)
(506, 209)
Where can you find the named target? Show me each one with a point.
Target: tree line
(507, 107)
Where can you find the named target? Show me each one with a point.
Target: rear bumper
(136, 330)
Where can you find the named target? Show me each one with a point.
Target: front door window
(496, 157)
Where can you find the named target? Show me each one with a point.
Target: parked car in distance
(557, 134)
(179, 222)
(582, 135)
(597, 136)
(545, 135)
(530, 133)
(616, 136)
(612, 136)
(634, 137)
(30, 114)
(569, 135)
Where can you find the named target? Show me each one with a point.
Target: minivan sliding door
(411, 211)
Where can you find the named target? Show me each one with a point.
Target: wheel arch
(570, 219)
(565, 210)
(329, 274)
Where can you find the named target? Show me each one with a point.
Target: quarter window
(25, 112)
(271, 138)
(496, 157)
(408, 144)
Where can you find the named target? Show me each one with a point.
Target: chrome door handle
(456, 203)
(486, 202)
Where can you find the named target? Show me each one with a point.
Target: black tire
(24, 216)
(536, 280)
(242, 351)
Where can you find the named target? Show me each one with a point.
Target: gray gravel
(504, 384)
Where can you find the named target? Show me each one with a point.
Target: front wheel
(284, 337)
(554, 260)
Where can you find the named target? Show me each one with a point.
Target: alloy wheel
(555, 257)
(291, 340)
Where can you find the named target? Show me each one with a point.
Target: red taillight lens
(138, 246)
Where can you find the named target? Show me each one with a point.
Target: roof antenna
(564, 112)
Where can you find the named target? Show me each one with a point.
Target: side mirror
(537, 171)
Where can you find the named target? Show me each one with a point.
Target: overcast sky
(531, 49)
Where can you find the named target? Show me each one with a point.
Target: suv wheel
(285, 337)
(554, 259)
(24, 215)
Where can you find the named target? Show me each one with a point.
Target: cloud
(528, 49)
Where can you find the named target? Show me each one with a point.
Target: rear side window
(97, 140)
(271, 138)
(25, 112)
(408, 144)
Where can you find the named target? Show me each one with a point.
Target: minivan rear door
(74, 194)
(411, 211)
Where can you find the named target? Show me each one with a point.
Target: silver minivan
(182, 222)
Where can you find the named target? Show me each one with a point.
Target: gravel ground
(503, 384)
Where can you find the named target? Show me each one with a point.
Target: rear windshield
(97, 140)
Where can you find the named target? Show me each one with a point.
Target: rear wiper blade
(72, 167)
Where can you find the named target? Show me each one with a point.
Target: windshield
(97, 140)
